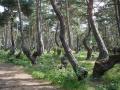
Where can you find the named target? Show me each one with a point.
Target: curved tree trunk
(102, 48)
(89, 50)
(117, 13)
(104, 61)
(103, 52)
(81, 73)
(25, 50)
(68, 23)
(40, 47)
(85, 40)
(12, 49)
(85, 43)
(56, 34)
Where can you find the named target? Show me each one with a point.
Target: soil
(14, 78)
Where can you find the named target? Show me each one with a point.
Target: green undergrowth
(47, 68)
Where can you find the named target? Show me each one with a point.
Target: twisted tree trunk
(80, 72)
(12, 49)
(56, 35)
(104, 61)
(85, 43)
(68, 23)
(25, 50)
(85, 40)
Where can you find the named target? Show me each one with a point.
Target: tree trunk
(25, 50)
(81, 73)
(68, 23)
(85, 40)
(85, 43)
(101, 67)
(117, 13)
(6, 37)
(39, 40)
(104, 61)
(78, 44)
(12, 49)
(56, 35)
(118, 5)
(102, 48)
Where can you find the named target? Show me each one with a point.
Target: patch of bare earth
(14, 78)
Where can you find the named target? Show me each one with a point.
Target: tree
(85, 40)
(80, 72)
(25, 50)
(104, 61)
(117, 13)
(68, 23)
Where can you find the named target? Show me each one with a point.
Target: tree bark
(68, 23)
(56, 35)
(80, 73)
(101, 67)
(39, 40)
(104, 61)
(85, 43)
(12, 49)
(117, 13)
(102, 48)
(6, 37)
(85, 40)
(25, 50)
(78, 44)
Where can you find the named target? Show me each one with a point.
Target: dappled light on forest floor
(13, 78)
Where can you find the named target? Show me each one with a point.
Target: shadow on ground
(14, 78)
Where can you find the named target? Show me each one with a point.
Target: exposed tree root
(101, 66)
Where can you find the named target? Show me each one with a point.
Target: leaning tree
(80, 72)
(104, 61)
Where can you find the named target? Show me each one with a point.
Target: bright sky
(1, 9)
(97, 5)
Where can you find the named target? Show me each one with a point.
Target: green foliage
(8, 3)
(47, 68)
(38, 75)
(27, 7)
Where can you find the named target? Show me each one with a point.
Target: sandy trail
(14, 78)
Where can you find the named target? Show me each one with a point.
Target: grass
(47, 69)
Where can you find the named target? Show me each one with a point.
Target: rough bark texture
(117, 13)
(102, 48)
(88, 48)
(68, 23)
(78, 44)
(39, 40)
(102, 66)
(81, 73)
(104, 61)
(6, 37)
(85, 40)
(56, 35)
(12, 48)
(25, 50)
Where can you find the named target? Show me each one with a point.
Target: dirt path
(13, 78)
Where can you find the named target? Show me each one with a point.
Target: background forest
(75, 44)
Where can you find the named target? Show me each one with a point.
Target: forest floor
(19, 74)
(14, 78)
